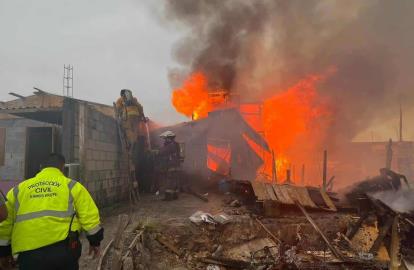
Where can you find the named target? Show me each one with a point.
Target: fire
(294, 121)
(193, 99)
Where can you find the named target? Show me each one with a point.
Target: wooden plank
(381, 235)
(103, 256)
(169, 245)
(354, 228)
(133, 244)
(268, 232)
(395, 246)
(328, 200)
(118, 246)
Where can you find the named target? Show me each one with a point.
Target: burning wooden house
(219, 144)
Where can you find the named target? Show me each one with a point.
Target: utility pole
(401, 124)
(388, 158)
(68, 80)
(325, 165)
(274, 168)
(303, 175)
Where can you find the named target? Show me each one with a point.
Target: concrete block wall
(103, 162)
(15, 150)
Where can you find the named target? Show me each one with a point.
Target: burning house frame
(216, 144)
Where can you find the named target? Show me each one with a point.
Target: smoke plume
(254, 48)
(401, 201)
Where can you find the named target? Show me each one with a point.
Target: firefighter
(169, 155)
(170, 151)
(131, 114)
(46, 214)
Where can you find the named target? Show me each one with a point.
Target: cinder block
(109, 165)
(95, 135)
(76, 141)
(91, 165)
(89, 154)
(96, 155)
(99, 165)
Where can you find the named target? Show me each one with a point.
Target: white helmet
(167, 134)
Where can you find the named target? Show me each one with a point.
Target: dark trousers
(59, 256)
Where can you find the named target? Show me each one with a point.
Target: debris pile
(240, 236)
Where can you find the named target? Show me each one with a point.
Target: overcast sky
(112, 45)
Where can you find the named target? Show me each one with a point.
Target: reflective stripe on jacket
(134, 108)
(41, 209)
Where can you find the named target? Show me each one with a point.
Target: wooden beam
(104, 254)
(395, 246)
(16, 95)
(118, 245)
(381, 235)
(354, 228)
(325, 169)
(334, 251)
(269, 232)
(39, 91)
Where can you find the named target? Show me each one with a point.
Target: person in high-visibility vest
(131, 113)
(45, 216)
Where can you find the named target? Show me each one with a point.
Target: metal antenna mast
(68, 80)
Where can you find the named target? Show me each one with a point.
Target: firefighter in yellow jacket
(45, 216)
(131, 113)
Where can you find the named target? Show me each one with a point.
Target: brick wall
(97, 148)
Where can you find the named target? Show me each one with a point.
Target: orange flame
(193, 99)
(293, 121)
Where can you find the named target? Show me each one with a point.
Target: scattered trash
(366, 256)
(213, 267)
(218, 251)
(200, 217)
(235, 203)
(222, 218)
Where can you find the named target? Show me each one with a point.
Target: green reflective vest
(40, 210)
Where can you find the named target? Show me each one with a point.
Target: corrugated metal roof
(288, 194)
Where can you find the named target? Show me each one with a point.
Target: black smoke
(258, 47)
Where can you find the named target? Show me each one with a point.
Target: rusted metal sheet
(288, 194)
(301, 195)
(282, 194)
(270, 192)
(260, 191)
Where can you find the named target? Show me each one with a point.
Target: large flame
(193, 99)
(293, 121)
(294, 125)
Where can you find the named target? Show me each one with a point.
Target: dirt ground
(156, 210)
(171, 218)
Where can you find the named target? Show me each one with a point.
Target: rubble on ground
(241, 236)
